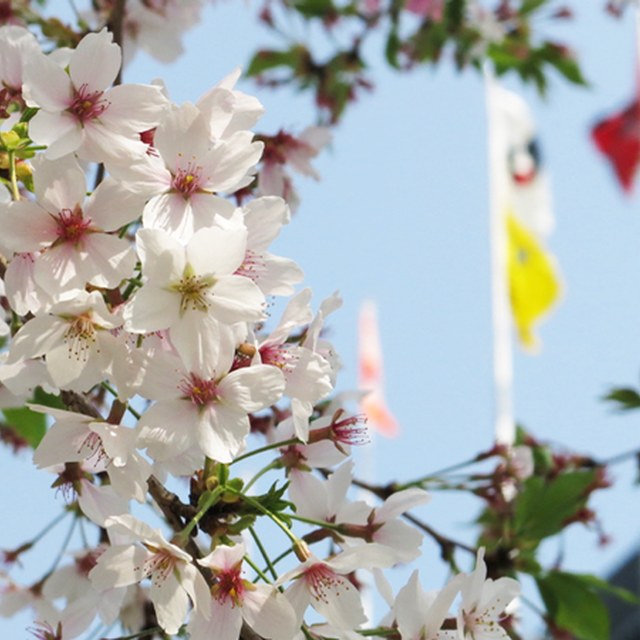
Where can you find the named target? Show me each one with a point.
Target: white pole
(501, 307)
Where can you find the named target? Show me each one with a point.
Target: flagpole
(500, 304)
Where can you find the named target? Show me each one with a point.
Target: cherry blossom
(79, 113)
(227, 110)
(75, 337)
(483, 603)
(79, 248)
(274, 275)
(174, 578)
(235, 599)
(182, 180)
(284, 149)
(195, 408)
(17, 44)
(75, 437)
(420, 615)
(194, 293)
(325, 585)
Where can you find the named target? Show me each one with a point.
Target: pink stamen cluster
(71, 226)
(322, 580)
(87, 105)
(187, 181)
(229, 586)
(44, 631)
(278, 355)
(200, 392)
(159, 566)
(93, 443)
(252, 267)
(349, 431)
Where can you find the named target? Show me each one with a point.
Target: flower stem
(210, 500)
(275, 445)
(273, 465)
(112, 391)
(50, 526)
(15, 191)
(65, 544)
(435, 474)
(265, 555)
(282, 556)
(317, 523)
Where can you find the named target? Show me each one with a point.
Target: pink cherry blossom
(325, 586)
(194, 408)
(80, 249)
(174, 578)
(182, 180)
(235, 599)
(79, 113)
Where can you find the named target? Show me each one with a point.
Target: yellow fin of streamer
(534, 285)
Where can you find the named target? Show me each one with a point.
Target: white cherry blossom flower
(75, 437)
(181, 180)
(483, 604)
(194, 293)
(235, 599)
(75, 337)
(420, 615)
(174, 578)
(194, 408)
(227, 110)
(79, 113)
(285, 149)
(307, 373)
(17, 45)
(75, 234)
(325, 586)
(157, 27)
(382, 524)
(275, 275)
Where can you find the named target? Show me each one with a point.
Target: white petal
(118, 566)
(269, 613)
(400, 502)
(171, 604)
(83, 68)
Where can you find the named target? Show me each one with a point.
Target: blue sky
(401, 216)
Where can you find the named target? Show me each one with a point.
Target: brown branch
(174, 510)
(115, 25)
(78, 403)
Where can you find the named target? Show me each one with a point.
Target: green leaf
(454, 14)
(574, 605)
(529, 6)
(314, 8)
(544, 505)
(48, 399)
(562, 59)
(31, 425)
(603, 585)
(392, 49)
(626, 398)
(266, 59)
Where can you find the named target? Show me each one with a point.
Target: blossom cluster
(142, 306)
